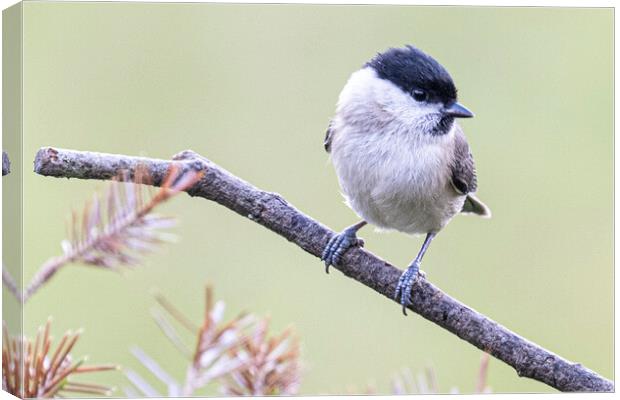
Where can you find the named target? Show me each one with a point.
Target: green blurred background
(253, 87)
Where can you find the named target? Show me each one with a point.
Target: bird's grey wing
(329, 134)
(464, 176)
(463, 168)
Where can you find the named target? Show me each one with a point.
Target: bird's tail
(474, 206)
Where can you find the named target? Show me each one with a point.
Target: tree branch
(273, 212)
(43, 275)
(10, 284)
(6, 164)
(7, 278)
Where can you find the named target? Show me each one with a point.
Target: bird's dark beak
(457, 110)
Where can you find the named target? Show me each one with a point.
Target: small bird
(402, 161)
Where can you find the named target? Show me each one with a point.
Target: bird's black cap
(409, 68)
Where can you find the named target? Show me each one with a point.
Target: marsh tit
(402, 161)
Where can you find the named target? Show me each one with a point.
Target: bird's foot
(405, 285)
(338, 245)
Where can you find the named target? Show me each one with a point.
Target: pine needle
(44, 376)
(217, 355)
(117, 229)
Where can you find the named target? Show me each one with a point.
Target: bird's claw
(405, 285)
(338, 245)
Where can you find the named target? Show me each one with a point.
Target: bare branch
(10, 284)
(7, 279)
(44, 274)
(273, 212)
(6, 164)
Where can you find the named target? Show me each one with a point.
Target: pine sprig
(32, 369)
(271, 364)
(118, 228)
(405, 383)
(211, 358)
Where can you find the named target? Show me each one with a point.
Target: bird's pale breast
(395, 181)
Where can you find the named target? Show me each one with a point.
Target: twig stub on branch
(276, 214)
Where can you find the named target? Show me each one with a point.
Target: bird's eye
(419, 94)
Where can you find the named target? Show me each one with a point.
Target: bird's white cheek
(404, 108)
(414, 114)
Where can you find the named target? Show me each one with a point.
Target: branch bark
(275, 213)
